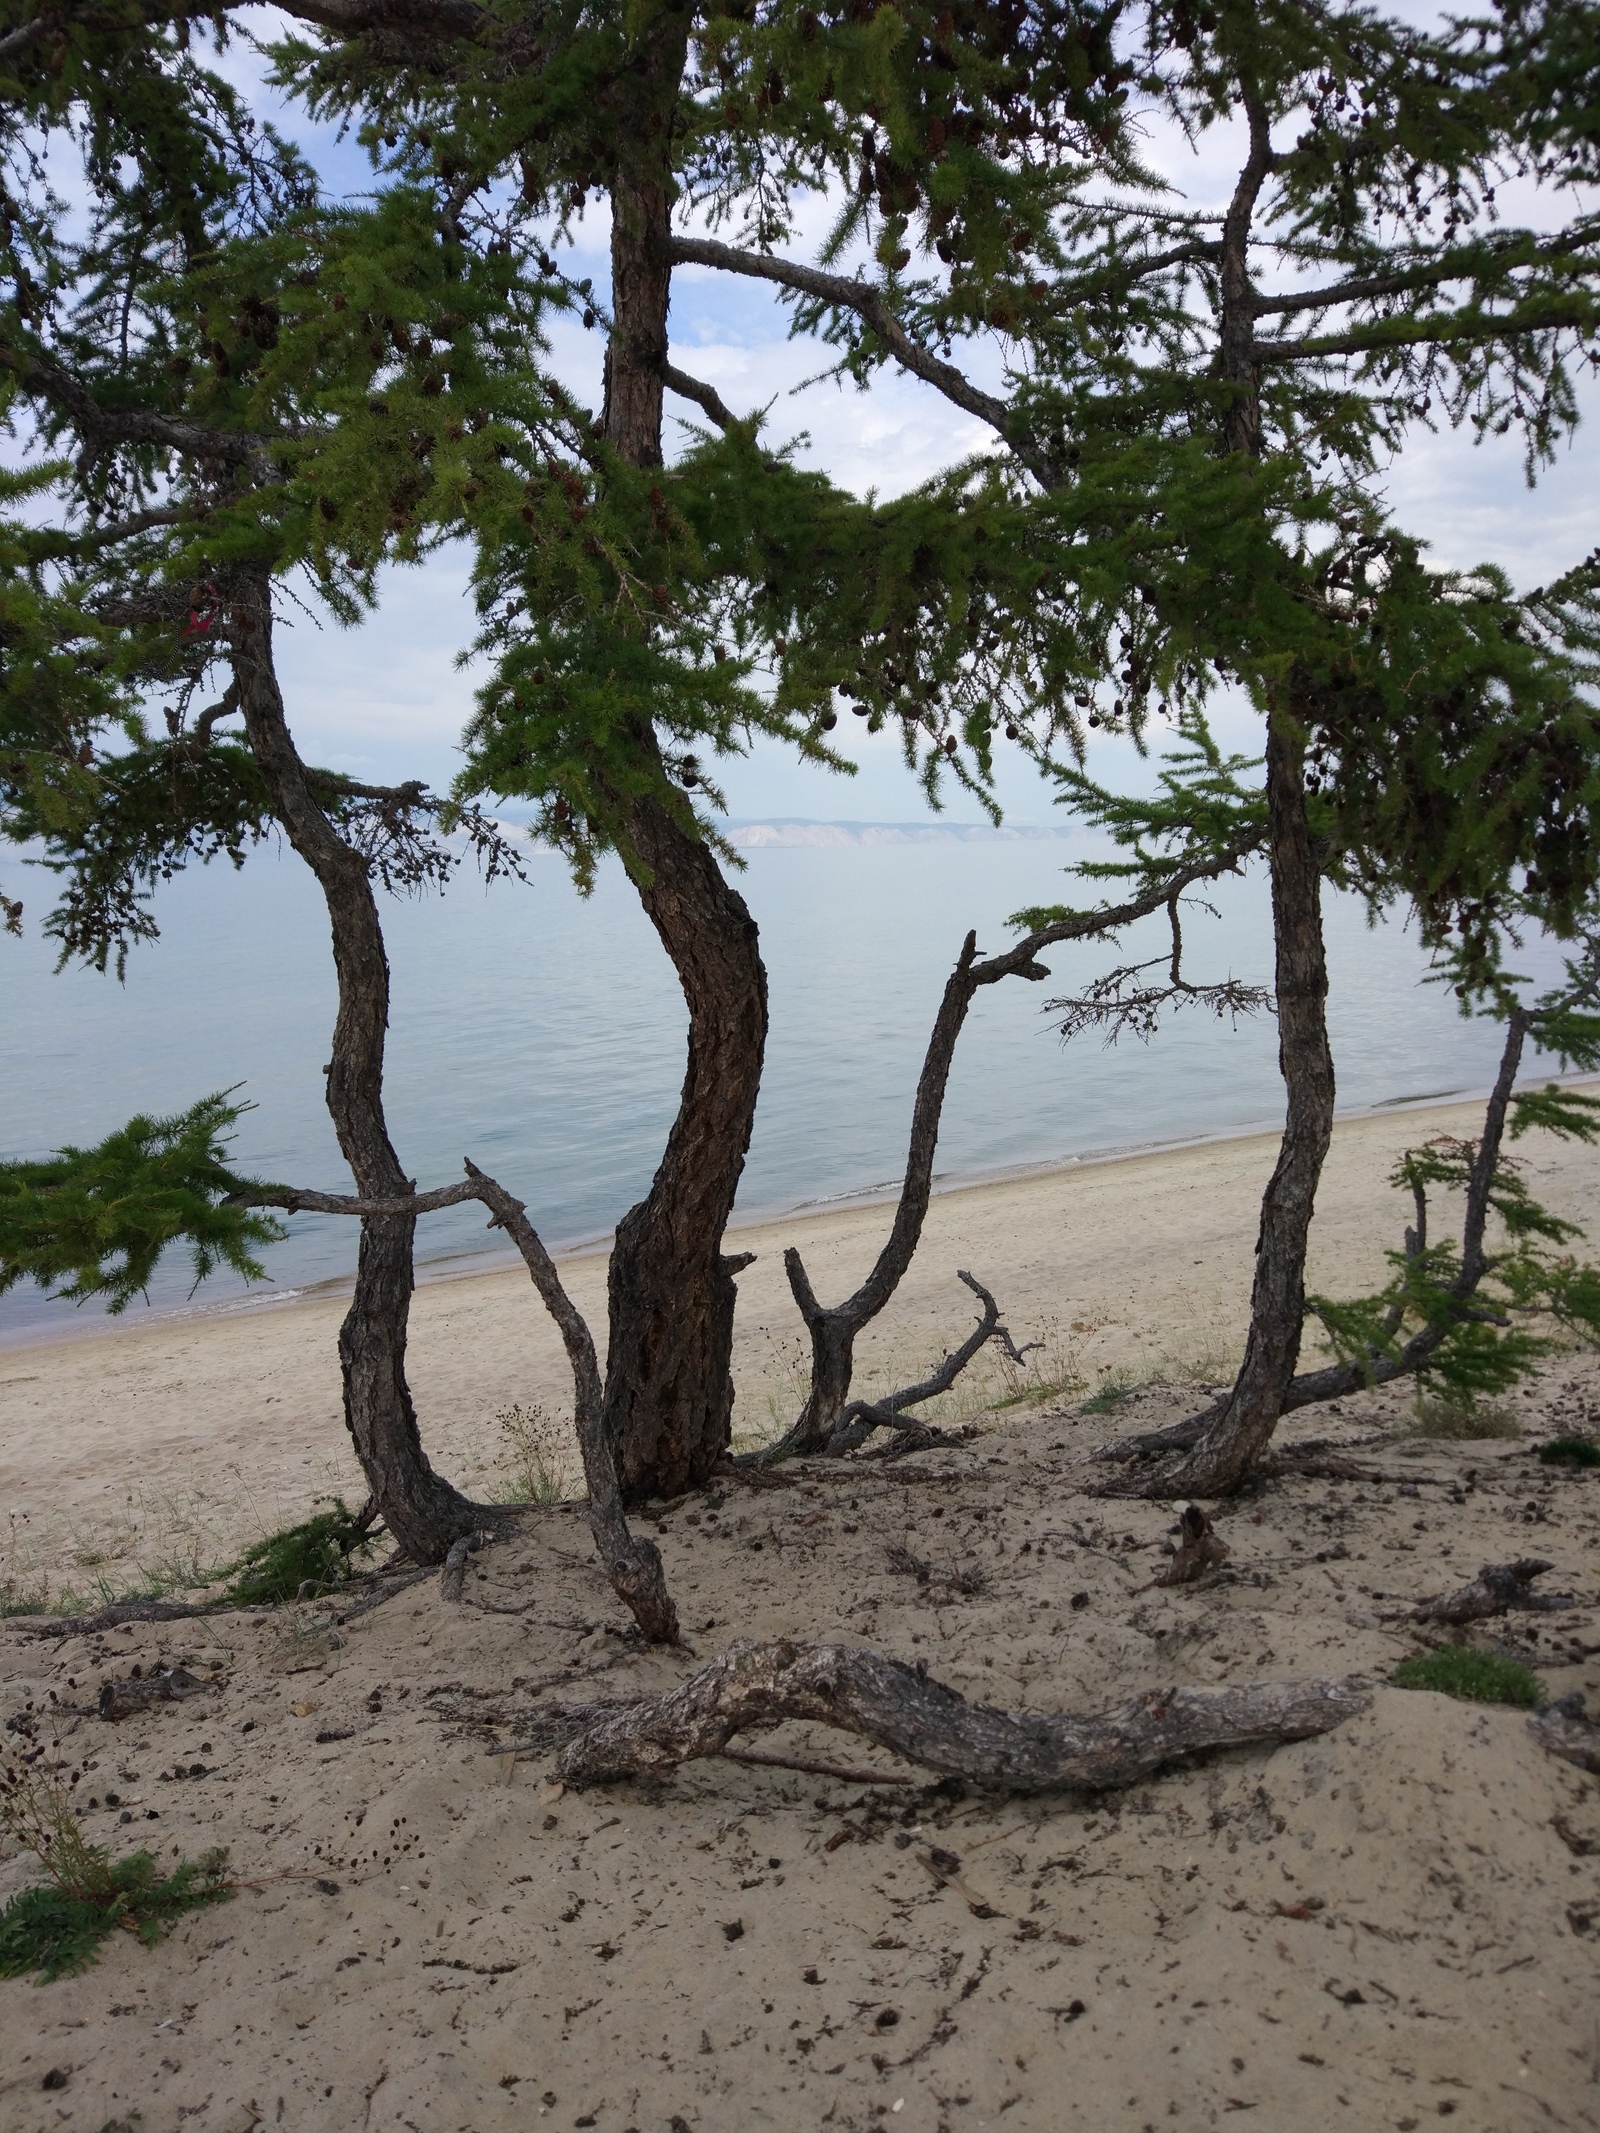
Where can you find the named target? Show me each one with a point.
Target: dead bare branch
(862, 1417)
(753, 1686)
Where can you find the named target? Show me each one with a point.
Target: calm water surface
(543, 1036)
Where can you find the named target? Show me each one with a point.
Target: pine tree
(1198, 406)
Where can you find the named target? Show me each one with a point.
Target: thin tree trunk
(669, 1386)
(1336, 1381)
(833, 1329)
(1244, 1427)
(423, 1512)
(1242, 1432)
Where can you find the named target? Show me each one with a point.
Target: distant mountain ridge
(791, 832)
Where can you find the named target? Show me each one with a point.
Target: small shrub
(314, 1555)
(1475, 1677)
(1454, 1415)
(1570, 1451)
(1113, 1387)
(537, 1443)
(55, 1928)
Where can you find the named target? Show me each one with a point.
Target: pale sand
(196, 1435)
(1394, 1926)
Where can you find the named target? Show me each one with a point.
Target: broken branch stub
(901, 1708)
(1496, 1589)
(1198, 1549)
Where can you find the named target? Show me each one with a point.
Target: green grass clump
(1113, 1388)
(1475, 1677)
(1570, 1451)
(57, 1931)
(306, 1558)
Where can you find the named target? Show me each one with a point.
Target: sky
(387, 700)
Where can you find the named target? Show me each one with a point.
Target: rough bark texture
(901, 1708)
(669, 1388)
(1336, 1381)
(423, 1512)
(632, 1562)
(1241, 1433)
(669, 1383)
(1496, 1589)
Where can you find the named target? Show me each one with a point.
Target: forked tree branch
(1336, 1381)
(632, 1562)
(870, 305)
(862, 1417)
(903, 1709)
(834, 1328)
(704, 396)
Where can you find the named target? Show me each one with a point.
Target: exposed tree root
(753, 1686)
(1564, 1729)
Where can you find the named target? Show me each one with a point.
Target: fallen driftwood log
(173, 1684)
(902, 1708)
(1496, 1589)
(1565, 1729)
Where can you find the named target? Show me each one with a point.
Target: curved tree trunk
(669, 1382)
(423, 1512)
(669, 1386)
(1242, 1431)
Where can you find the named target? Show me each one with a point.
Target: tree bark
(901, 1708)
(1496, 1590)
(671, 1293)
(632, 1563)
(1230, 1448)
(423, 1512)
(668, 1401)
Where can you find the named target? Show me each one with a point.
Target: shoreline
(455, 1267)
(191, 1436)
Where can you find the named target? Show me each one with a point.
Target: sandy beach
(1392, 1925)
(186, 1438)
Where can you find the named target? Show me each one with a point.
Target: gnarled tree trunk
(1243, 1430)
(669, 1387)
(669, 1383)
(423, 1512)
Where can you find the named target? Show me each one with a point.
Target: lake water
(542, 1035)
